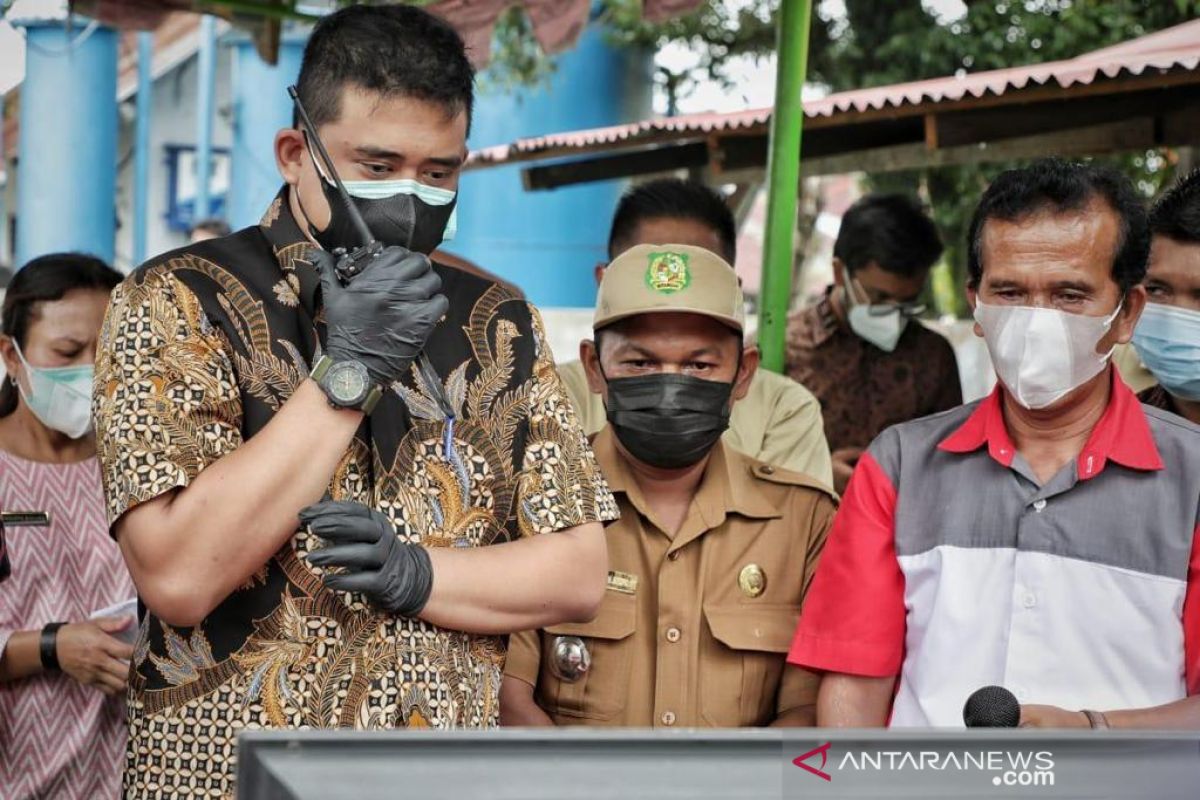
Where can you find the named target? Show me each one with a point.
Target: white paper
(125, 608)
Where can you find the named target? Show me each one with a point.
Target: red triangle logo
(823, 750)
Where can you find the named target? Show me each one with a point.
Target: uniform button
(668, 718)
(767, 469)
(1038, 505)
(673, 555)
(673, 635)
(1029, 600)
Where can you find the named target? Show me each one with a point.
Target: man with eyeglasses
(858, 349)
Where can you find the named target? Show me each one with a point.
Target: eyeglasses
(907, 310)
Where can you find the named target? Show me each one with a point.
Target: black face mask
(402, 220)
(668, 421)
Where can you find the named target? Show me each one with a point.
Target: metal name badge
(569, 658)
(622, 582)
(752, 580)
(37, 519)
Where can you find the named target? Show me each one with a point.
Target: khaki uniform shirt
(778, 422)
(1127, 361)
(693, 630)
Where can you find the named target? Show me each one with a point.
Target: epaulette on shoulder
(787, 477)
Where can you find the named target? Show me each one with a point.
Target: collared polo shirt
(1158, 397)
(951, 567)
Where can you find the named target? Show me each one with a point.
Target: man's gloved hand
(395, 576)
(383, 316)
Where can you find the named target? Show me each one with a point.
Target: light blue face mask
(61, 397)
(431, 195)
(1168, 340)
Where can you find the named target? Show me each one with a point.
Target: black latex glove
(384, 315)
(395, 576)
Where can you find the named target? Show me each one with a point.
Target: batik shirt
(863, 389)
(199, 350)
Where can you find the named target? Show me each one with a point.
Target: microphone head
(992, 707)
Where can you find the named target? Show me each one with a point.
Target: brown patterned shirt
(863, 389)
(200, 348)
(1158, 397)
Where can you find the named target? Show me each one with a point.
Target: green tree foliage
(517, 59)
(718, 31)
(872, 47)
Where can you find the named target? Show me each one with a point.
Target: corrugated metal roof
(1173, 49)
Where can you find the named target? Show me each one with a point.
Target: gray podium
(589, 764)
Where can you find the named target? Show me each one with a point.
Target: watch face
(347, 382)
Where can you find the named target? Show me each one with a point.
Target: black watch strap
(48, 646)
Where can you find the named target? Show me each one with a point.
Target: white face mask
(1041, 354)
(880, 329)
(61, 397)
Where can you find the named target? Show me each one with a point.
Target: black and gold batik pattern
(199, 350)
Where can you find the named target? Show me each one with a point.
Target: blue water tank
(548, 242)
(67, 170)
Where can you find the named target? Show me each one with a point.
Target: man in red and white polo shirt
(1045, 538)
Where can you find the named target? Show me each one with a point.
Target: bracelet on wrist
(48, 646)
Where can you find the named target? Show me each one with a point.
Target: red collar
(1122, 434)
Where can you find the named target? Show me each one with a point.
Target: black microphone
(992, 707)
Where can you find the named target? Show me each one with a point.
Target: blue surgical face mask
(1168, 340)
(61, 397)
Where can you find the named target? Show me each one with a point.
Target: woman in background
(62, 675)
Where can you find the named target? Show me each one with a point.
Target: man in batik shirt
(345, 549)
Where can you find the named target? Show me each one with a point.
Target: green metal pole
(783, 170)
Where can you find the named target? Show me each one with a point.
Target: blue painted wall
(67, 171)
(549, 242)
(261, 107)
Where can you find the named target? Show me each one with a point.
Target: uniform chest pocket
(600, 693)
(742, 666)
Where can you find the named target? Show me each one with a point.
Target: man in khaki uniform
(779, 421)
(714, 551)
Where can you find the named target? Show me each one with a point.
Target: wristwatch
(346, 384)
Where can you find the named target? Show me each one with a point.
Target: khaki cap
(653, 278)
